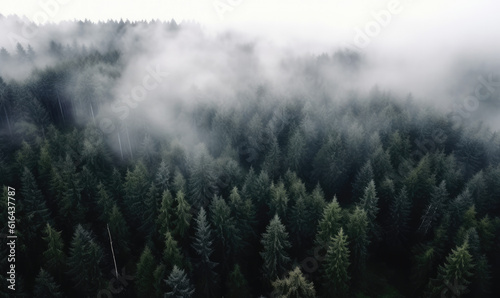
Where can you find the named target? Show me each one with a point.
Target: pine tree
(164, 221)
(151, 205)
(179, 183)
(162, 178)
(54, 256)
(337, 264)
(243, 212)
(36, 212)
(71, 208)
(136, 189)
(202, 179)
(275, 242)
(183, 212)
(399, 217)
(330, 224)
(159, 277)
(279, 200)
(294, 286)
(433, 212)
(237, 285)
(179, 284)
(272, 159)
(203, 246)
(363, 178)
(357, 231)
(171, 254)
(315, 206)
(104, 203)
(369, 203)
(455, 274)
(295, 150)
(119, 232)
(45, 286)
(84, 261)
(225, 228)
(424, 259)
(144, 276)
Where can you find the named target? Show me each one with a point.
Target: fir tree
(294, 286)
(45, 286)
(363, 178)
(337, 264)
(203, 246)
(54, 256)
(369, 202)
(179, 284)
(237, 285)
(144, 276)
(399, 216)
(330, 223)
(84, 261)
(171, 254)
(357, 231)
(275, 242)
(183, 212)
(279, 200)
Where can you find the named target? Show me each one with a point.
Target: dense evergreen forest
(259, 192)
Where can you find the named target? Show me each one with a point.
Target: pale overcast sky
(447, 22)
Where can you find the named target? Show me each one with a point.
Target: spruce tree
(54, 256)
(171, 254)
(456, 273)
(164, 220)
(120, 234)
(369, 202)
(399, 219)
(279, 200)
(37, 215)
(183, 215)
(363, 178)
(243, 212)
(357, 231)
(295, 285)
(330, 223)
(337, 265)
(179, 284)
(144, 275)
(136, 188)
(237, 285)
(84, 262)
(203, 246)
(276, 244)
(45, 286)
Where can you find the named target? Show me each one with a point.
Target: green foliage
(85, 257)
(54, 256)
(183, 212)
(279, 200)
(45, 286)
(179, 284)
(171, 254)
(357, 231)
(203, 246)
(237, 285)
(363, 178)
(399, 219)
(330, 224)
(275, 242)
(456, 273)
(337, 264)
(144, 275)
(294, 286)
(369, 203)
